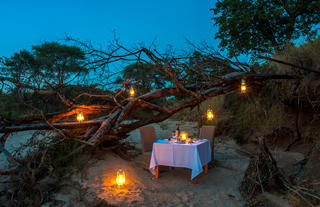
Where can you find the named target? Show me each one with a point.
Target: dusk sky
(26, 23)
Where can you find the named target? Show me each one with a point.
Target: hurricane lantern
(121, 178)
(80, 116)
(210, 114)
(184, 136)
(132, 92)
(243, 86)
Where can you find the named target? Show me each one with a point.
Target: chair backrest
(207, 132)
(148, 137)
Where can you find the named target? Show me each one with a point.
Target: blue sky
(30, 22)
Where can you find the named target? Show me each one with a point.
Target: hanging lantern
(243, 86)
(210, 114)
(121, 178)
(80, 116)
(184, 136)
(132, 92)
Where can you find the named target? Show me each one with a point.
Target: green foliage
(147, 76)
(260, 109)
(263, 25)
(240, 138)
(204, 66)
(318, 141)
(9, 106)
(41, 169)
(16, 102)
(198, 113)
(306, 55)
(257, 114)
(164, 125)
(60, 163)
(51, 60)
(307, 89)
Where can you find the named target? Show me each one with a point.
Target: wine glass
(173, 134)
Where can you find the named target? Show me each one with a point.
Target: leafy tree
(146, 76)
(51, 61)
(47, 64)
(206, 66)
(264, 25)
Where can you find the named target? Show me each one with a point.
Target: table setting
(181, 151)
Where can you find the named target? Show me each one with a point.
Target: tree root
(263, 174)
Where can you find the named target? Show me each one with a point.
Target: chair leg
(157, 171)
(205, 169)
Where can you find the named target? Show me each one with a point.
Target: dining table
(195, 156)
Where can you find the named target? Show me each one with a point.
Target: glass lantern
(121, 178)
(80, 116)
(243, 86)
(132, 92)
(210, 114)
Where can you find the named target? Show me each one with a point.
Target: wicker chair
(148, 137)
(207, 132)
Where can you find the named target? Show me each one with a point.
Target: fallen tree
(115, 119)
(118, 114)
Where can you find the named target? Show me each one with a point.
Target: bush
(41, 170)
(164, 125)
(306, 55)
(62, 165)
(240, 138)
(318, 141)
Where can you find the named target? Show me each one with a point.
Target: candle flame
(184, 135)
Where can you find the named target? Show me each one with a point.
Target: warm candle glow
(184, 135)
(243, 86)
(210, 115)
(132, 92)
(121, 178)
(80, 116)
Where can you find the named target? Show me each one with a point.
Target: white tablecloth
(192, 156)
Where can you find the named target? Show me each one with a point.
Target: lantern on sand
(121, 178)
(80, 116)
(243, 86)
(132, 92)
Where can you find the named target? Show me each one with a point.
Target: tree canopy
(264, 25)
(52, 61)
(146, 76)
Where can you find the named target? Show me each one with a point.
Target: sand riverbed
(174, 188)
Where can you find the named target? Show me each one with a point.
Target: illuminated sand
(173, 188)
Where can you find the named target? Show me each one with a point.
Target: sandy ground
(174, 187)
